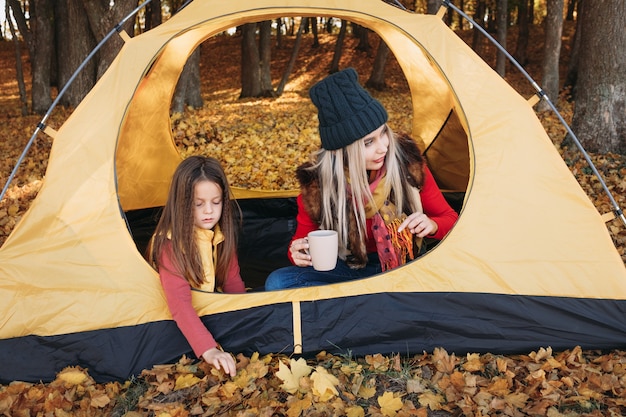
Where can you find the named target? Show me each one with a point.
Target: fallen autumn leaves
(570, 383)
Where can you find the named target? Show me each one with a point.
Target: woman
(366, 183)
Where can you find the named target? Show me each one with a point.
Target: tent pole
(42, 124)
(542, 95)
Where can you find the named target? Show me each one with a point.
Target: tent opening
(149, 147)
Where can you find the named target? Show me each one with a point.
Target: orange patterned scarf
(394, 248)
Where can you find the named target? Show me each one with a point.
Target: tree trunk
(42, 37)
(279, 33)
(334, 65)
(74, 42)
(479, 19)
(432, 6)
(102, 19)
(521, 49)
(292, 61)
(572, 65)
(502, 26)
(265, 54)
(316, 39)
(377, 78)
(553, 25)
(571, 8)
(187, 91)
(600, 112)
(18, 63)
(364, 41)
(250, 62)
(153, 15)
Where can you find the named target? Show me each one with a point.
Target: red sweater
(434, 205)
(178, 295)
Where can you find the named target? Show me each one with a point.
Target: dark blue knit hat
(346, 111)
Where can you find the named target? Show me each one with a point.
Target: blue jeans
(296, 276)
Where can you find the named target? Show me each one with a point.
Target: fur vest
(413, 169)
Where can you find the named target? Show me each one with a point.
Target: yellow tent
(529, 263)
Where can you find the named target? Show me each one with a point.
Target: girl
(194, 246)
(366, 183)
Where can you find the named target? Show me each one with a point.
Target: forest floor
(543, 383)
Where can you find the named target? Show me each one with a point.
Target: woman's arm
(304, 225)
(436, 207)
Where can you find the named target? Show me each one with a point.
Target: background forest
(236, 100)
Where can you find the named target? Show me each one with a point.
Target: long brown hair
(177, 221)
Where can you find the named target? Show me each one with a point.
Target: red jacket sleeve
(234, 283)
(436, 207)
(304, 225)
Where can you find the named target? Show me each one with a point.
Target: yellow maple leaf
(431, 400)
(354, 411)
(72, 376)
(377, 362)
(367, 392)
(499, 387)
(516, 399)
(389, 404)
(443, 361)
(298, 406)
(99, 399)
(473, 363)
(324, 384)
(291, 376)
(186, 381)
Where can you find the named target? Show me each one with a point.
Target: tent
(529, 263)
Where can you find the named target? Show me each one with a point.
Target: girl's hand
(300, 252)
(419, 224)
(221, 360)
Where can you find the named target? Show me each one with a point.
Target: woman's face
(376, 145)
(207, 204)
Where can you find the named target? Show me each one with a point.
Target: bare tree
(572, 64)
(479, 17)
(553, 26)
(292, 61)
(74, 41)
(265, 54)
(502, 14)
(103, 16)
(521, 48)
(377, 77)
(187, 92)
(599, 116)
(38, 33)
(334, 64)
(250, 62)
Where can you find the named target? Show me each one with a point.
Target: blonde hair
(343, 177)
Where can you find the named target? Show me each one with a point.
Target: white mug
(323, 248)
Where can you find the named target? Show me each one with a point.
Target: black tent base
(386, 323)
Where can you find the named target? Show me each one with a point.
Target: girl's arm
(436, 207)
(178, 294)
(233, 282)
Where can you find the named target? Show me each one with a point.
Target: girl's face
(207, 204)
(376, 145)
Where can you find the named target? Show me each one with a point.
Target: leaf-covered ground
(260, 141)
